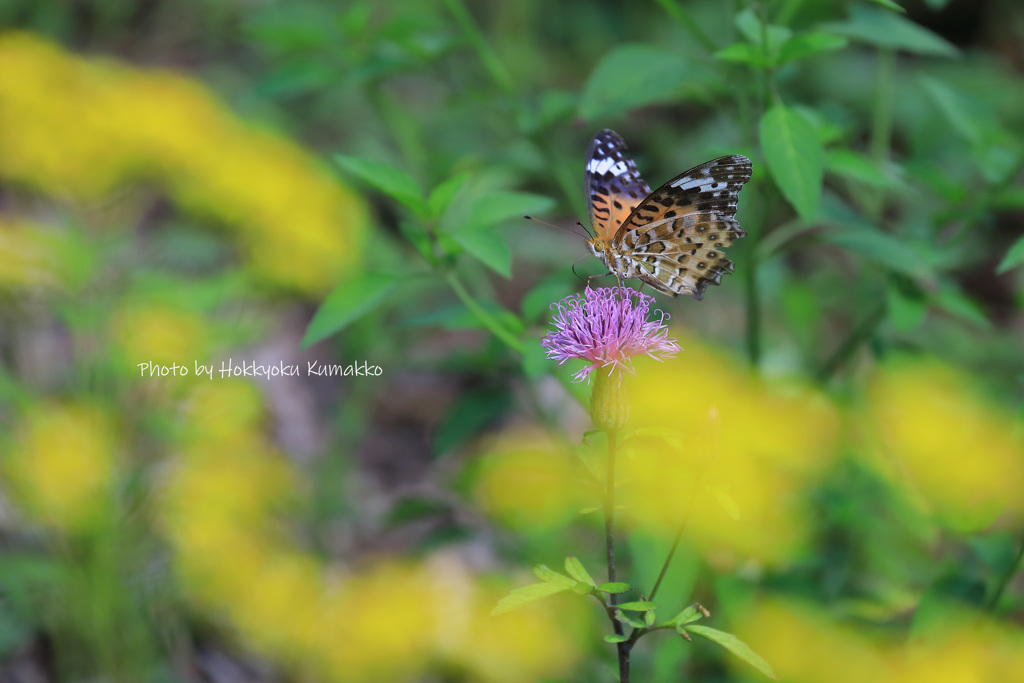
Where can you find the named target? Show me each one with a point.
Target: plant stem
(881, 123)
(856, 337)
(1004, 580)
(485, 318)
(609, 542)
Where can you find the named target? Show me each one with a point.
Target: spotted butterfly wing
(672, 238)
(613, 185)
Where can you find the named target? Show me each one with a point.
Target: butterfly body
(672, 238)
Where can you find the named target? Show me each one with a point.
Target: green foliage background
(884, 221)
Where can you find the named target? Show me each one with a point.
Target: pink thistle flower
(607, 327)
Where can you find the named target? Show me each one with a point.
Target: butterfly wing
(613, 185)
(675, 236)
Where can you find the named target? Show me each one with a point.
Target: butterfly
(672, 238)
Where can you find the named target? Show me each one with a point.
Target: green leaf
(626, 619)
(615, 638)
(518, 597)
(638, 606)
(653, 74)
(545, 573)
(576, 570)
(744, 53)
(806, 44)
(649, 619)
(853, 166)
(689, 615)
(880, 247)
(795, 158)
(535, 359)
(905, 311)
(885, 29)
(967, 116)
(442, 196)
(614, 587)
(494, 207)
(1014, 257)
(950, 299)
(538, 300)
(583, 588)
(735, 646)
(356, 297)
(390, 180)
(474, 411)
(891, 5)
(484, 243)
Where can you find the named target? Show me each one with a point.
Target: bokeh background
(284, 183)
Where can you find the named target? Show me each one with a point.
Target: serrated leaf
(638, 606)
(356, 297)
(442, 196)
(615, 587)
(1014, 257)
(795, 158)
(807, 44)
(524, 595)
(576, 570)
(885, 29)
(390, 180)
(653, 74)
(735, 646)
(485, 244)
(545, 573)
(615, 638)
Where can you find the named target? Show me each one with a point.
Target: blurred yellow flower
(727, 451)
(961, 458)
(159, 335)
(804, 645)
(78, 128)
(525, 480)
(62, 465)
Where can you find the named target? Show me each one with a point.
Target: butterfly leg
(591, 277)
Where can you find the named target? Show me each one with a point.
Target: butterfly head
(601, 248)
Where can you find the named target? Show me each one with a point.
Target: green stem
(499, 74)
(857, 336)
(609, 542)
(881, 124)
(1004, 580)
(675, 10)
(485, 318)
(753, 303)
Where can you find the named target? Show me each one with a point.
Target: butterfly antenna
(589, 234)
(560, 227)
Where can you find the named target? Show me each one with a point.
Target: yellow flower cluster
(76, 129)
(956, 456)
(732, 452)
(389, 622)
(62, 466)
(807, 646)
